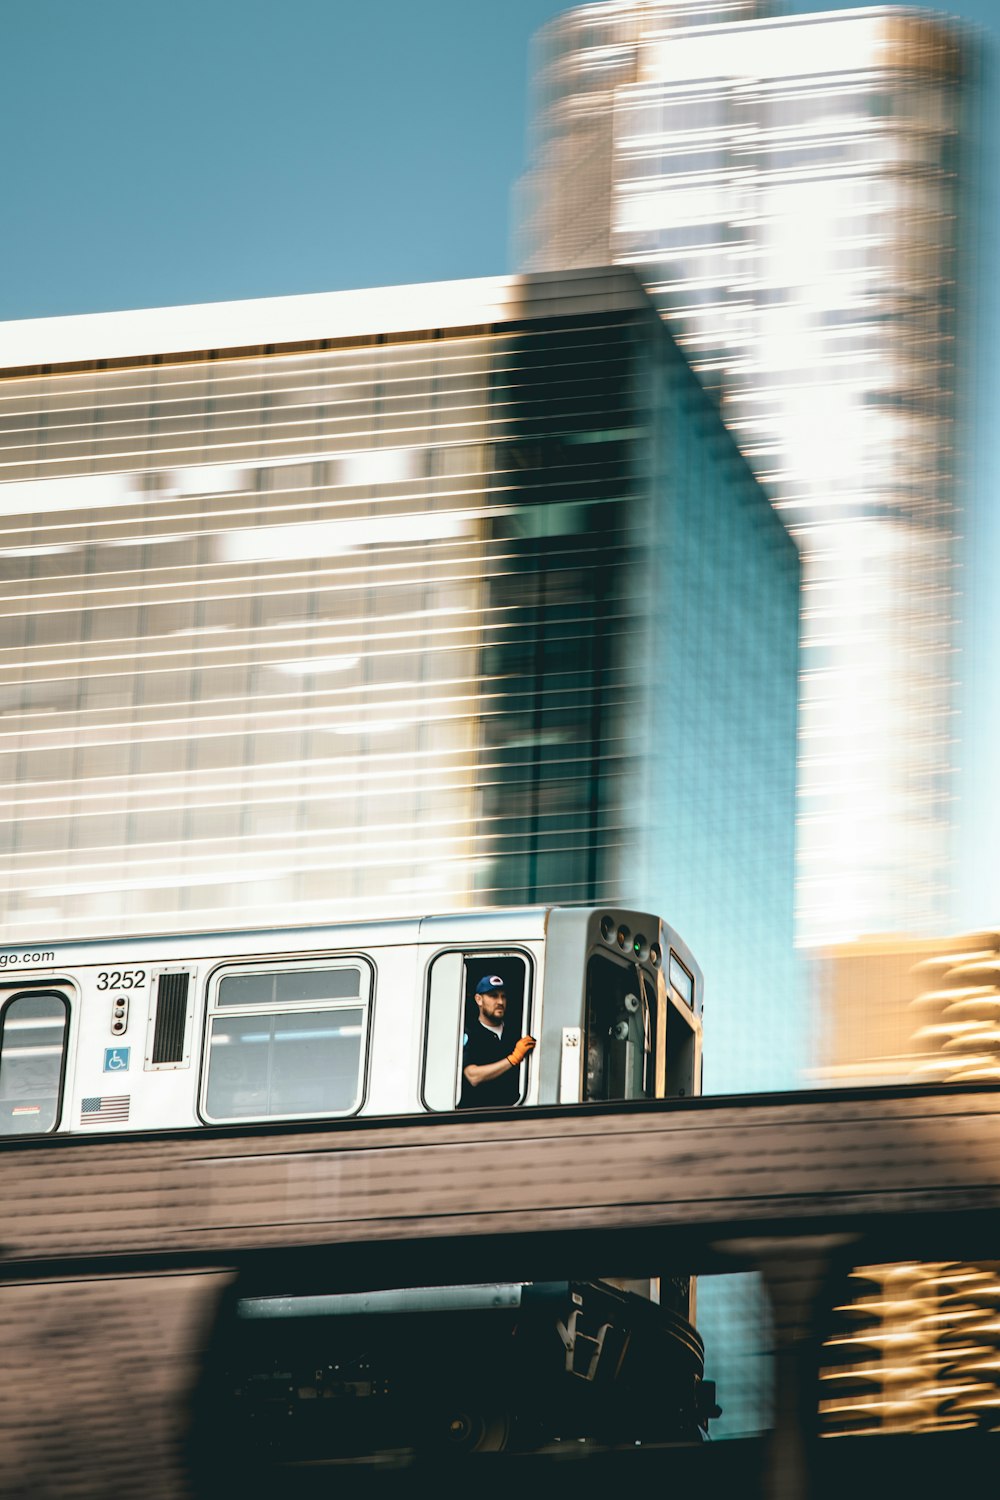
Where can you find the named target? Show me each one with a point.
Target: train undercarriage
(462, 1370)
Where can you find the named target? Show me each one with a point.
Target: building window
(287, 1043)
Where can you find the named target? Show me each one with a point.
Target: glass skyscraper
(788, 188)
(393, 602)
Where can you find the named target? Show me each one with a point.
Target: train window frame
(685, 994)
(25, 992)
(489, 954)
(365, 1001)
(650, 1024)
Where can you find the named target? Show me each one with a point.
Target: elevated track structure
(120, 1257)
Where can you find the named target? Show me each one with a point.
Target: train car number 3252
(121, 979)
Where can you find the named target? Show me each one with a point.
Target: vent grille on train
(171, 1018)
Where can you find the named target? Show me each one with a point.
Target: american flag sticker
(104, 1107)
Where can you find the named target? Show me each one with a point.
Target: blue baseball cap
(489, 982)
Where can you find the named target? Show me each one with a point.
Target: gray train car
(346, 1024)
(324, 1023)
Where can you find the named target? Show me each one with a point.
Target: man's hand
(521, 1050)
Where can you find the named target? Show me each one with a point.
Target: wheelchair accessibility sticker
(116, 1059)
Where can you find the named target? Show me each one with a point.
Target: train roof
(510, 923)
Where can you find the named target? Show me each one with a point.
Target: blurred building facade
(903, 1011)
(917, 1349)
(789, 190)
(917, 1344)
(868, 997)
(900, 1010)
(392, 602)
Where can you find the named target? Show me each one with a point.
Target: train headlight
(639, 945)
(623, 936)
(607, 928)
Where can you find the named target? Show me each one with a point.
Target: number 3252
(121, 979)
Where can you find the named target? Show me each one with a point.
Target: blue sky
(195, 150)
(206, 149)
(170, 151)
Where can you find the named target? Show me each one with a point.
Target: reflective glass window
(289, 985)
(681, 980)
(32, 1047)
(287, 1044)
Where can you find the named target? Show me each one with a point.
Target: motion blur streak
(795, 192)
(396, 618)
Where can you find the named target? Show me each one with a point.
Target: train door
(452, 1012)
(681, 1051)
(622, 1032)
(640, 1040)
(34, 1027)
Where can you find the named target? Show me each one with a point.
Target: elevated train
(249, 1029)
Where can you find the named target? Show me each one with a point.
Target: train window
(32, 1051)
(681, 981)
(510, 1087)
(285, 986)
(621, 1038)
(287, 1043)
(452, 1012)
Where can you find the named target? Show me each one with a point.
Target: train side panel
(161, 1033)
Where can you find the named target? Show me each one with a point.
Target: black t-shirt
(484, 1046)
